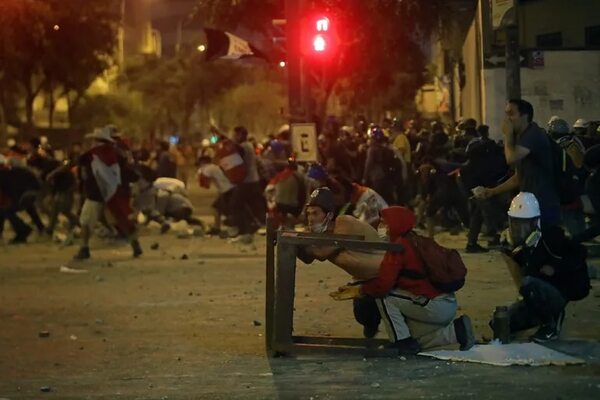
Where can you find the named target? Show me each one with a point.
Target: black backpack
(565, 174)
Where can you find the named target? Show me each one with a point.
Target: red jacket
(400, 221)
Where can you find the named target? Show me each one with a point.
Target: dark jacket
(565, 256)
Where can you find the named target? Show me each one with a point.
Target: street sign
(537, 59)
(498, 61)
(304, 142)
(499, 10)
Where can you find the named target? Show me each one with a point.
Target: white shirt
(216, 175)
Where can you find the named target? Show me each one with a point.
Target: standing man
(248, 195)
(528, 149)
(100, 170)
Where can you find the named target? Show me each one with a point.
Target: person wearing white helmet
(549, 269)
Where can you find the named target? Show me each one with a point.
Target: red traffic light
(319, 44)
(319, 37)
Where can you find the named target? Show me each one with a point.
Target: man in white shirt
(211, 173)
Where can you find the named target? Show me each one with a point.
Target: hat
(113, 131)
(102, 135)
(581, 123)
(558, 126)
(323, 198)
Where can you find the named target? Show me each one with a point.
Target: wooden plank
(300, 349)
(345, 244)
(321, 235)
(285, 280)
(340, 341)
(269, 284)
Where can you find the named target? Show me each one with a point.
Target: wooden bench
(282, 247)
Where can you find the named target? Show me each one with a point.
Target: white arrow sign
(495, 60)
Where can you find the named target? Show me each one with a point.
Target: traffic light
(319, 37)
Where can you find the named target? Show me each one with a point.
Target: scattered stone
(45, 389)
(73, 337)
(256, 323)
(154, 246)
(266, 374)
(402, 358)
(178, 358)
(190, 294)
(99, 321)
(201, 262)
(184, 257)
(99, 278)
(44, 334)
(375, 385)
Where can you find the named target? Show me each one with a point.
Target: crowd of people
(380, 181)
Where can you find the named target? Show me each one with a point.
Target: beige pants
(90, 213)
(430, 322)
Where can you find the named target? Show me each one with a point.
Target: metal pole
(293, 15)
(513, 67)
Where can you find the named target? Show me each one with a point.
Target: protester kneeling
(548, 268)
(417, 315)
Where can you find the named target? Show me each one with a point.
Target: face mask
(382, 233)
(321, 227)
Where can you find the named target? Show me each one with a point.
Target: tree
(382, 43)
(59, 45)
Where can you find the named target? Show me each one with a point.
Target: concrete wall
(568, 86)
(567, 16)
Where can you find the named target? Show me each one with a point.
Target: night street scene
(299, 199)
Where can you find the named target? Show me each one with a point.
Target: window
(549, 40)
(592, 36)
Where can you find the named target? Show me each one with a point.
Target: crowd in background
(445, 173)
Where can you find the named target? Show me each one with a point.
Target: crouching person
(417, 316)
(548, 268)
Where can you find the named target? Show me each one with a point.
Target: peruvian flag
(221, 44)
(106, 169)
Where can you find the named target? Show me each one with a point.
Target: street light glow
(201, 48)
(56, 27)
(282, 64)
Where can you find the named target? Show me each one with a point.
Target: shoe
(551, 331)
(83, 253)
(494, 242)
(369, 332)
(21, 237)
(464, 332)
(476, 248)
(242, 239)
(407, 347)
(137, 249)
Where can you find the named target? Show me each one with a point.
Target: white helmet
(581, 123)
(524, 205)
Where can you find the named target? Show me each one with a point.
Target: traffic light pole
(293, 15)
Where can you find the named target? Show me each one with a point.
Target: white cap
(581, 123)
(100, 134)
(524, 205)
(11, 142)
(283, 128)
